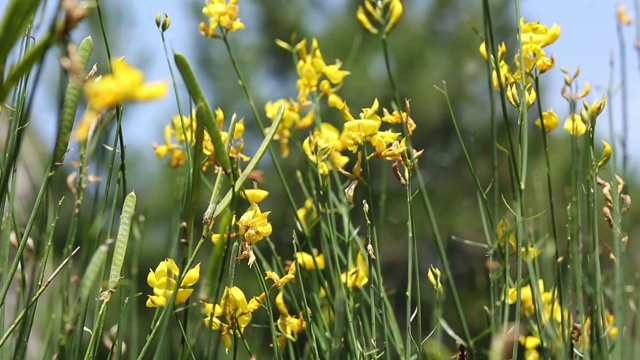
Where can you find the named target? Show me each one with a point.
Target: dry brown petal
(626, 203)
(620, 183)
(71, 182)
(606, 211)
(396, 171)
(371, 252)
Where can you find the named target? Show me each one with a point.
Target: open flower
(125, 83)
(278, 281)
(253, 226)
(550, 120)
(233, 308)
(357, 276)
(221, 14)
(310, 262)
(288, 325)
(163, 282)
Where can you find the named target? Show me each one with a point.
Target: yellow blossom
(505, 232)
(324, 148)
(606, 154)
(591, 111)
(221, 14)
(183, 130)
(296, 116)
(288, 325)
(574, 125)
(255, 195)
(307, 214)
(514, 98)
(535, 33)
(357, 276)
(235, 309)
(609, 329)
(550, 120)
(531, 344)
(434, 278)
(253, 224)
(310, 262)
(163, 282)
(622, 15)
(311, 67)
(385, 13)
(125, 83)
(278, 281)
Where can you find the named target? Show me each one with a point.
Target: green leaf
(251, 165)
(207, 117)
(17, 15)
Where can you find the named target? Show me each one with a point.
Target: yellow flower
(504, 228)
(255, 195)
(609, 329)
(622, 15)
(234, 308)
(287, 324)
(311, 67)
(385, 13)
(310, 262)
(324, 148)
(163, 282)
(535, 33)
(221, 14)
(278, 281)
(183, 129)
(606, 154)
(307, 214)
(125, 83)
(292, 119)
(434, 278)
(358, 276)
(531, 344)
(514, 98)
(575, 126)
(526, 297)
(550, 121)
(253, 224)
(591, 111)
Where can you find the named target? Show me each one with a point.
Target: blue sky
(588, 40)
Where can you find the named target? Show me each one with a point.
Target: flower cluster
(222, 15)
(534, 37)
(125, 83)
(183, 130)
(233, 308)
(552, 314)
(578, 124)
(163, 282)
(316, 80)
